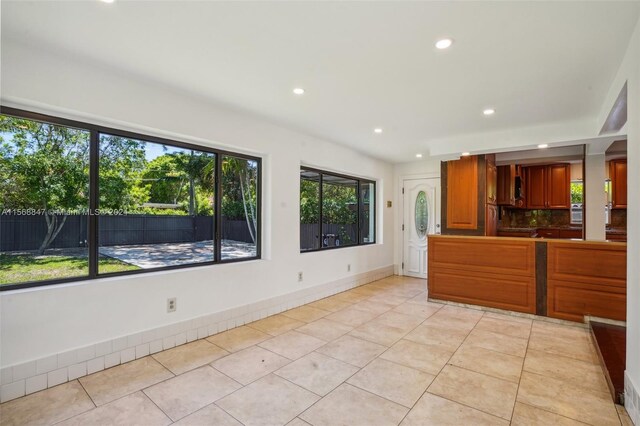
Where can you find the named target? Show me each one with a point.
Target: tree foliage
(46, 167)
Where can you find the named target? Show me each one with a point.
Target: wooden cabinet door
(462, 193)
(559, 186)
(570, 233)
(492, 180)
(536, 194)
(548, 233)
(506, 185)
(491, 218)
(618, 175)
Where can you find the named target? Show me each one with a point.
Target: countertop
(614, 231)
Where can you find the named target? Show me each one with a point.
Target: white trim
(75, 363)
(631, 399)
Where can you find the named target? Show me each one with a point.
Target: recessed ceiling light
(298, 91)
(543, 145)
(377, 130)
(444, 43)
(465, 154)
(107, 1)
(418, 155)
(489, 111)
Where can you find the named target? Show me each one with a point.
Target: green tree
(245, 174)
(165, 180)
(309, 201)
(198, 167)
(122, 161)
(46, 167)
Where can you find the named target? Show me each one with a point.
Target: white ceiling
(362, 64)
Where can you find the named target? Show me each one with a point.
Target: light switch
(389, 203)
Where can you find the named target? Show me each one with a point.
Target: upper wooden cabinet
(536, 187)
(559, 186)
(506, 185)
(618, 176)
(469, 187)
(462, 193)
(548, 187)
(492, 179)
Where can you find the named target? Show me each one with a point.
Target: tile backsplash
(522, 218)
(619, 218)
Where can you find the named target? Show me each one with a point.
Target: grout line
(79, 414)
(445, 364)
(524, 359)
(551, 412)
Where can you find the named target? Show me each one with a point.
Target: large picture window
(335, 210)
(79, 201)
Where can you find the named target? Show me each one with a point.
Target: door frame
(400, 217)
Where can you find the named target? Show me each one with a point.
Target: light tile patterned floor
(380, 354)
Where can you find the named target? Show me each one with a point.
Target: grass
(22, 268)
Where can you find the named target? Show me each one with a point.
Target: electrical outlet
(299, 276)
(349, 267)
(172, 304)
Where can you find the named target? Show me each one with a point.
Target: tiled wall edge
(632, 399)
(33, 376)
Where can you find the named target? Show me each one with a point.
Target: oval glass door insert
(422, 214)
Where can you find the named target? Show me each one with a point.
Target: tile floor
(380, 354)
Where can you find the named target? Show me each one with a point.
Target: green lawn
(24, 267)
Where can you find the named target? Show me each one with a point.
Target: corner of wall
(632, 399)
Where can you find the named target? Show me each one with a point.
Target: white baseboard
(35, 375)
(632, 399)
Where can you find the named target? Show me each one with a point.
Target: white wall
(630, 72)
(595, 197)
(41, 321)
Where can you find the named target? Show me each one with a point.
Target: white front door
(421, 200)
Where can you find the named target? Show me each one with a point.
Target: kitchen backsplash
(520, 218)
(619, 218)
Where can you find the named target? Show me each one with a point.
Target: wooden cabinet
(611, 236)
(506, 185)
(618, 176)
(536, 187)
(491, 225)
(518, 234)
(469, 187)
(548, 187)
(548, 233)
(462, 193)
(492, 179)
(570, 233)
(559, 186)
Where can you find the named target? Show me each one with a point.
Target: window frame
(94, 196)
(360, 182)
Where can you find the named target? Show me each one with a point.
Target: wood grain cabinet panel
(549, 186)
(559, 186)
(462, 193)
(494, 272)
(506, 185)
(570, 233)
(586, 279)
(511, 292)
(548, 233)
(536, 187)
(491, 221)
(492, 255)
(492, 180)
(618, 175)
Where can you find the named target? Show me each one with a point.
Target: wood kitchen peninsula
(565, 279)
